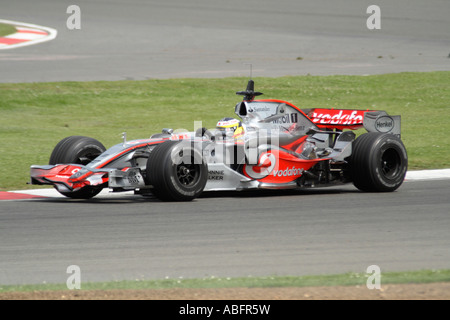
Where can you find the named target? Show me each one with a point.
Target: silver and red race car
(273, 145)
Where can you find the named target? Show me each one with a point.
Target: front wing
(67, 177)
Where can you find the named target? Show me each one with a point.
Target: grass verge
(36, 116)
(6, 29)
(347, 279)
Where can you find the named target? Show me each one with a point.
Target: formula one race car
(273, 145)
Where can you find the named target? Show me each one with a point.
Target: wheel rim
(188, 174)
(390, 163)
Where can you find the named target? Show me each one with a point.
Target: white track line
(436, 174)
(52, 193)
(421, 175)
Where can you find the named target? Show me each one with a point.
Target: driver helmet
(230, 128)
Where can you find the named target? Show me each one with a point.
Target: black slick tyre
(378, 162)
(77, 150)
(177, 171)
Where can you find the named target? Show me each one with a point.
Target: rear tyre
(378, 162)
(77, 150)
(177, 171)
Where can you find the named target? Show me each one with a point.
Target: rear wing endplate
(380, 121)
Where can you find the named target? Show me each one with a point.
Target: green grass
(34, 117)
(347, 279)
(6, 29)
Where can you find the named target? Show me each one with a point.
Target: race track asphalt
(316, 232)
(138, 39)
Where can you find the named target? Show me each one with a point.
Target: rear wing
(340, 119)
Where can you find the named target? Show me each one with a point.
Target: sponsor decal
(182, 136)
(216, 174)
(384, 124)
(265, 165)
(132, 177)
(260, 109)
(337, 117)
(288, 172)
(228, 123)
(58, 176)
(289, 118)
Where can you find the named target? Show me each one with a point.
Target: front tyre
(77, 150)
(177, 171)
(378, 162)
